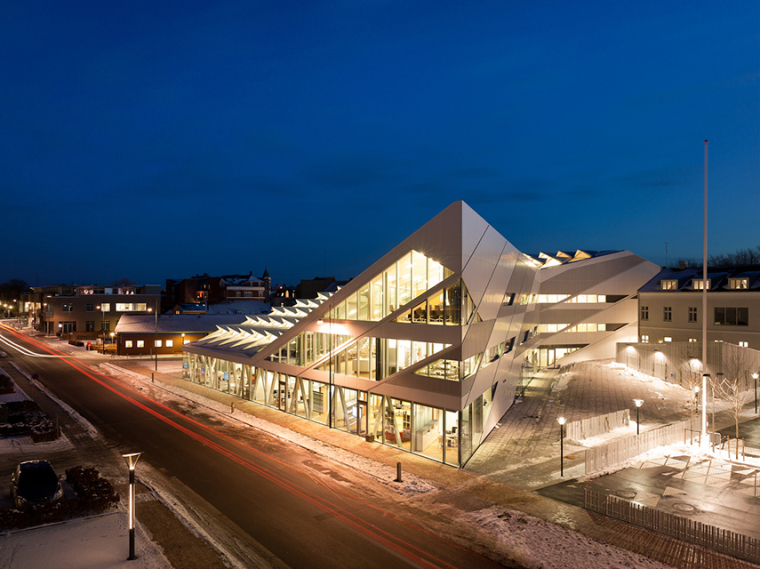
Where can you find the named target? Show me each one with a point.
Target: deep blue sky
(149, 140)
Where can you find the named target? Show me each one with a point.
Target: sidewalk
(97, 542)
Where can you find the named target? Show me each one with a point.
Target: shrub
(26, 417)
(94, 493)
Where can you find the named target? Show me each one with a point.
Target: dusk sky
(154, 140)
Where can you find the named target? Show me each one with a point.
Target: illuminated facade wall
(425, 348)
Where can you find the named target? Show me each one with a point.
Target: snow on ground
(539, 544)
(95, 542)
(620, 432)
(84, 423)
(383, 473)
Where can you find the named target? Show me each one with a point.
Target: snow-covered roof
(177, 323)
(248, 337)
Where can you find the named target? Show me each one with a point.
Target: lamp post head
(755, 375)
(561, 420)
(131, 459)
(696, 389)
(320, 321)
(638, 402)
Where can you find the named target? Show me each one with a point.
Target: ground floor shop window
(446, 436)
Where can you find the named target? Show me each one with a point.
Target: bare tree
(720, 260)
(733, 387)
(746, 257)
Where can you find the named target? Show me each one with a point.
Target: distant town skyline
(148, 141)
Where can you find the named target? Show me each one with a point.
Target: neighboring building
(426, 348)
(670, 307)
(283, 295)
(87, 312)
(140, 335)
(205, 289)
(189, 309)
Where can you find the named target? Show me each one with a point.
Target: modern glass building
(426, 348)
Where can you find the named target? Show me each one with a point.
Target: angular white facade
(425, 349)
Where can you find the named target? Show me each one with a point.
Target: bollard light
(131, 460)
(638, 403)
(561, 421)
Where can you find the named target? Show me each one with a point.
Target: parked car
(35, 482)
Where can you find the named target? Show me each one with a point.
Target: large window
(377, 358)
(405, 280)
(645, 313)
(452, 306)
(692, 314)
(667, 314)
(730, 316)
(131, 307)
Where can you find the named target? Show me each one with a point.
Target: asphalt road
(295, 507)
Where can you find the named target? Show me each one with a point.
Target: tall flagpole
(704, 317)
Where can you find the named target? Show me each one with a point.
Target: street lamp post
(131, 460)
(155, 337)
(754, 376)
(320, 322)
(638, 403)
(103, 324)
(561, 421)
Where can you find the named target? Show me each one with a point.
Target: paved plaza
(524, 450)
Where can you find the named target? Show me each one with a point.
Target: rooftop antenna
(666, 254)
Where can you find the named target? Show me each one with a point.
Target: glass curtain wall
(403, 281)
(447, 436)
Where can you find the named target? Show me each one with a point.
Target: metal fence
(601, 457)
(579, 430)
(711, 537)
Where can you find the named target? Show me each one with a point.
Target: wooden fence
(579, 430)
(711, 537)
(601, 457)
